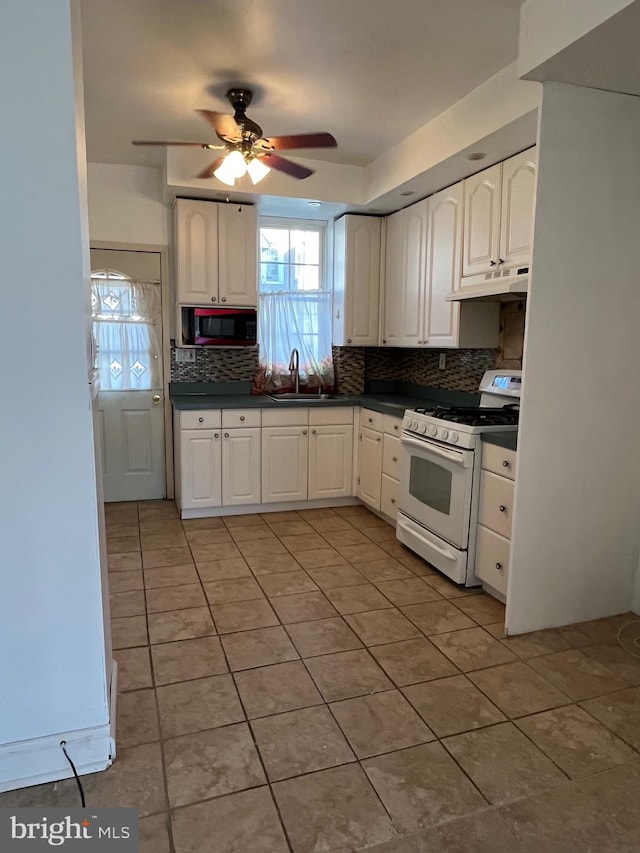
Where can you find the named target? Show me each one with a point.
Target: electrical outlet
(442, 364)
(185, 355)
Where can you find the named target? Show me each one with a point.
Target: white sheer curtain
(300, 320)
(126, 318)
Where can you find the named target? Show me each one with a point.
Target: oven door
(435, 487)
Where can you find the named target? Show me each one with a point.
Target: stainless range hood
(498, 286)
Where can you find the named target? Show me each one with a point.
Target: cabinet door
(196, 224)
(200, 465)
(240, 467)
(330, 462)
(518, 201)
(482, 221)
(370, 467)
(285, 454)
(362, 280)
(444, 263)
(237, 254)
(405, 277)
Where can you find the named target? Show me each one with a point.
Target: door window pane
(431, 484)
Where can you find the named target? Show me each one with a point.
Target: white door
(200, 464)
(370, 467)
(444, 263)
(330, 462)
(362, 280)
(285, 454)
(196, 233)
(238, 254)
(240, 467)
(482, 221)
(127, 324)
(518, 201)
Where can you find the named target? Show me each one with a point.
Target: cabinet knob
(395, 426)
(224, 299)
(370, 420)
(384, 340)
(304, 432)
(241, 417)
(214, 298)
(348, 340)
(393, 500)
(200, 420)
(500, 260)
(378, 438)
(499, 566)
(395, 458)
(492, 263)
(502, 508)
(313, 432)
(226, 435)
(216, 435)
(505, 464)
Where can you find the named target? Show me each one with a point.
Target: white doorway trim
(165, 273)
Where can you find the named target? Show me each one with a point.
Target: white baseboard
(285, 506)
(38, 760)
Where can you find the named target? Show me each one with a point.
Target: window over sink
(294, 304)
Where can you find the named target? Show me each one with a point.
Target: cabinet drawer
(206, 419)
(285, 417)
(389, 496)
(391, 456)
(331, 416)
(392, 425)
(492, 559)
(241, 418)
(496, 503)
(500, 460)
(371, 419)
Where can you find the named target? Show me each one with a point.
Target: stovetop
(459, 425)
(474, 415)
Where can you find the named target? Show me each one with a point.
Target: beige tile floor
(301, 682)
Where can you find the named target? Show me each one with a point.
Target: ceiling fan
(246, 149)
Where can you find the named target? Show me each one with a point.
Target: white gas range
(440, 474)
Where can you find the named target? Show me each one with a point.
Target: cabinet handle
(395, 458)
(224, 299)
(200, 420)
(499, 566)
(505, 464)
(226, 435)
(241, 417)
(348, 340)
(214, 299)
(304, 432)
(502, 508)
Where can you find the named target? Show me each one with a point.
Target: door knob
(156, 399)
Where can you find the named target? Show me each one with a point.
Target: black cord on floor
(75, 773)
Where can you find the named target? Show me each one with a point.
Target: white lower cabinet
(370, 467)
(285, 453)
(389, 496)
(330, 462)
(379, 454)
(200, 468)
(493, 546)
(241, 467)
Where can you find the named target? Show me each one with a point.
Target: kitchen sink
(305, 398)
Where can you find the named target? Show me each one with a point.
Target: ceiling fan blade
(208, 172)
(155, 142)
(286, 166)
(223, 124)
(301, 140)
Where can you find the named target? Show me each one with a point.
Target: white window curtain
(295, 320)
(126, 318)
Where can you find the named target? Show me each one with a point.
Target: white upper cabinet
(238, 254)
(216, 253)
(330, 462)
(482, 196)
(356, 280)
(444, 260)
(498, 221)
(404, 276)
(518, 204)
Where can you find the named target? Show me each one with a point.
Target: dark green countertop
(508, 439)
(390, 398)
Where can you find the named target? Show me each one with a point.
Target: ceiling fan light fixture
(225, 174)
(235, 164)
(257, 170)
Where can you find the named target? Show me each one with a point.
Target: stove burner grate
(475, 415)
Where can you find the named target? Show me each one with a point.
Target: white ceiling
(369, 71)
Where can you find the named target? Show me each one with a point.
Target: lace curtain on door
(126, 317)
(300, 320)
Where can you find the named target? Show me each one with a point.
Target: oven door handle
(428, 446)
(450, 555)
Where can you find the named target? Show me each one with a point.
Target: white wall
(52, 648)
(126, 205)
(576, 532)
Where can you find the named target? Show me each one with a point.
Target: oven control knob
(415, 424)
(444, 435)
(422, 428)
(453, 437)
(433, 430)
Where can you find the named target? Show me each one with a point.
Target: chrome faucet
(294, 367)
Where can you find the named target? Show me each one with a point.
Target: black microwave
(220, 327)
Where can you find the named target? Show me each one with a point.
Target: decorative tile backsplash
(216, 365)
(349, 366)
